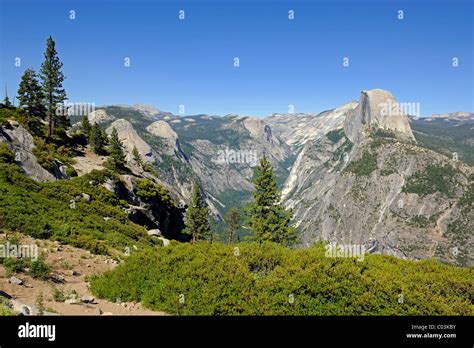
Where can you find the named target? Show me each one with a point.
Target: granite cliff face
(368, 182)
(377, 109)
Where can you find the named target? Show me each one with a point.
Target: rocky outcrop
(131, 139)
(377, 109)
(350, 188)
(20, 141)
(297, 129)
(171, 145)
(99, 116)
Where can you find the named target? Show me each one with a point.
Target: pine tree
(7, 103)
(268, 218)
(232, 220)
(197, 216)
(54, 93)
(137, 158)
(97, 139)
(116, 160)
(31, 97)
(86, 126)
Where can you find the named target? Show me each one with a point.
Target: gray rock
(165, 241)
(156, 232)
(71, 301)
(15, 280)
(22, 144)
(86, 197)
(87, 299)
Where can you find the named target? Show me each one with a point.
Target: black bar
(291, 331)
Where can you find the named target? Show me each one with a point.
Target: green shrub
(6, 155)
(216, 279)
(39, 269)
(148, 190)
(335, 135)
(431, 179)
(364, 166)
(14, 265)
(58, 295)
(42, 210)
(48, 153)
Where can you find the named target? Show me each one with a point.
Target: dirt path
(74, 265)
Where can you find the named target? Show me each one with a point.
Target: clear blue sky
(283, 62)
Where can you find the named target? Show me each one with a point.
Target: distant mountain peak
(378, 109)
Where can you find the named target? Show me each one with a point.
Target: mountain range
(362, 173)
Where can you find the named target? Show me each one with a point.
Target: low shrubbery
(43, 210)
(364, 166)
(267, 279)
(432, 179)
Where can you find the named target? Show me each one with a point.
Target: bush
(39, 269)
(58, 295)
(6, 155)
(364, 166)
(149, 191)
(14, 265)
(47, 154)
(432, 179)
(42, 210)
(216, 279)
(335, 135)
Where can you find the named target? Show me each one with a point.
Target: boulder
(99, 116)
(22, 144)
(165, 241)
(156, 232)
(15, 280)
(87, 299)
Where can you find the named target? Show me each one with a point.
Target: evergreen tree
(116, 160)
(97, 139)
(53, 90)
(31, 97)
(86, 126)
(137, 158)
(6, 102)
(197, 216)
(232, 220)
(268, 218)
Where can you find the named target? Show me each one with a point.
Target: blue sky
(282, 61)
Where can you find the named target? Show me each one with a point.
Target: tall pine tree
(116, 160)
(268, 218)
(232, 220)
(197, 216)
(31, 98)
(54, 93)
(86, 126)
(97, 139)
(137, 158)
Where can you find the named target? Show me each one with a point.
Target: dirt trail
(64, 260)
